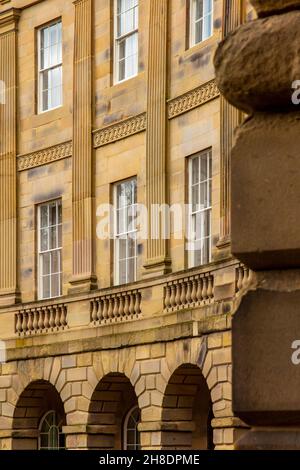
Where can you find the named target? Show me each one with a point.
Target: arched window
(51, 436)
(131, 433)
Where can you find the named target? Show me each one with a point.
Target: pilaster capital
(9, 20)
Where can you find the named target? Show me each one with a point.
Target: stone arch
(113, 397)
(36, 399)
(187, 410)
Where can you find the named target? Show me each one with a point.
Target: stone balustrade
(38, 320)
(195, 288)
(243, 277)
(116, 307)
(189, 292)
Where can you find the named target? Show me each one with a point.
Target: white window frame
(201, 209)
(58, 427)
(137, 444)
(118, 40)
(41, 296)
(118, 236)
(41, 71)
(193, 22)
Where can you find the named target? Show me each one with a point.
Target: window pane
(131, 270)
(44, 240)
(46, 263)
(207, 27)
(195, 198)
(122, 272)
(55, 261)
(131, 244)
(207, 6)
(198, 31)
(55, 285)
(121, 227)
(198, 9)
(44, 216)
(46, 287)
(204, 169)
(122, 243)
(203, 196)
(53, 238)
(59, 233)
(195, 170)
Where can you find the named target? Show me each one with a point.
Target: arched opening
(187, 411)
(113, 414)
(38, 419)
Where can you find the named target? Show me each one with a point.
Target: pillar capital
(9, 20)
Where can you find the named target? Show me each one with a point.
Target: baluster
(199, 289)
(40, 320)
(94, 313)
(19, 323)
(131, 305)
(24, 323)
(209, 287)
(30, 322)
(126, 308)
(173, 296)
(167, 297)
(46, 318)
(105, 309)
(100, 305)
(178, 295)
(183, 294)
(189, 292)
(116, 308)
(137, 307)
(245, 277)
(239, 278)
(35, 321)
(121, 307)
(204, 290)
(110, 308)
(194, 291)
(63, 318)
(52, 318)
(57, 317)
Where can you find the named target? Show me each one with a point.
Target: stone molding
(192, 99)
(44, 156)
(120, 130)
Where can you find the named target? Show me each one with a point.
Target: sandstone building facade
(121, 343)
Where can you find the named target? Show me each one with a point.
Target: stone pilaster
(83, 158)
(231, 117)
(8, 151)
(265, 197)
(157, 261)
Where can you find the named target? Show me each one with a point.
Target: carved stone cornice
(44, 156)
(120, 130)
(192, 99)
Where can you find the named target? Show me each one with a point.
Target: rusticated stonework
(201, 95)
(45, 156)
(119, 131)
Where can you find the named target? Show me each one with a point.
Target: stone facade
(162, 343)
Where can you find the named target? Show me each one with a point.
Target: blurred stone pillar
(256, 66)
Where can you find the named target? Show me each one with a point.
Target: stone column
(8, 152)
(265, 235)
(84, 278)
(231, 117)
(157, 261)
